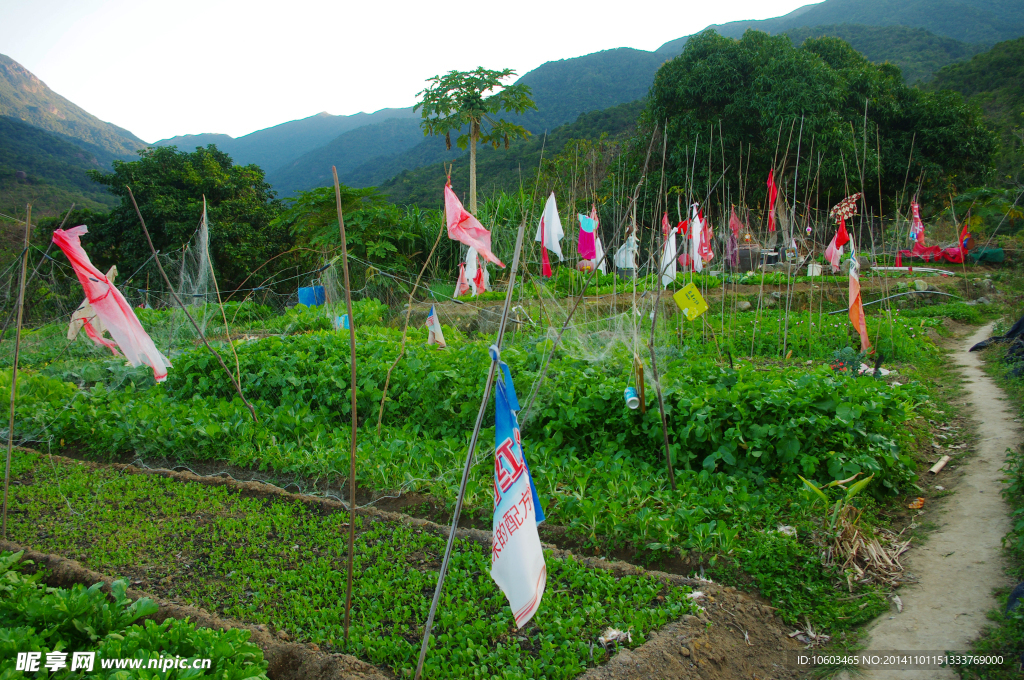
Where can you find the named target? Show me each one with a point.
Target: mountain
(970, 21)
(46, 170)
(918, 53)
(374, 153)
(347, 152)
(277, 146)
(26, 98)
(994, 81)
(566, 88)
(507, 169)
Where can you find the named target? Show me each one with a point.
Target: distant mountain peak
(27, 98)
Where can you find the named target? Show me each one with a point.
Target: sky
(161, 69)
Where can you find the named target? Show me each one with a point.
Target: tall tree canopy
(471, 100)
(753, 94)
(169, 186)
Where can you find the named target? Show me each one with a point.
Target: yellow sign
(690, 301)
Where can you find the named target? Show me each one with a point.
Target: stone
(743, 306)
(983, 301)
(902, 286)
(920, 285)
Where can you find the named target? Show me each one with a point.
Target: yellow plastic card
(690, 301)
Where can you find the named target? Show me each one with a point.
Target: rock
(983, 301)
(768, 301)
(920, 285)
(902, 286)
(685, 651)
(743, 306)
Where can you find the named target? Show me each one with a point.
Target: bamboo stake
(355, 422)
(220, 303)
(14, 370)
(174, 294)
(495, 358)
(405, 329)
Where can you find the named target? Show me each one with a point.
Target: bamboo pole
(174, 294)
(14, 370)
(355, 423)
(495, 358)
(405, 329)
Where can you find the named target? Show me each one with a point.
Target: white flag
(549, 231)
(602, 265)
(436, 336)
(668, 259)
(696, 229)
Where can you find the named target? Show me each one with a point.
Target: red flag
(706, 254)
(465, 228)
(773, 192)
(963, 239)
(899, 259)
(665, 224)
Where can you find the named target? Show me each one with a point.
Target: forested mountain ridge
(918, 52)
(46, 170)
(27, 98)
(970, 21)
(347, 152)
(508, 169)
(274, 147)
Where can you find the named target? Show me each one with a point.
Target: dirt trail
(961, 562)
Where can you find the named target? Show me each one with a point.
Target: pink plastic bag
(110, 306)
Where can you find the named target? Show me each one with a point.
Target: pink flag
(835, 249)
(465, 228)
(110, 306)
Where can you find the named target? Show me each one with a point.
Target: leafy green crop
(77, 619)
(280, 562)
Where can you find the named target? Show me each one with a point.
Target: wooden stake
(469, 454)
(174, 294)
(14, 370)
(355, 423)
(405, 329)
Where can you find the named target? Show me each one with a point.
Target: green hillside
(25, 97)
(46, 170)
(275, 147)
(918, 52)
(969, 21)
(994, 81)
(347, 152)
(564, 89)
(507, 170)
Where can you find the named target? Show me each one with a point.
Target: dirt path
(960, 563)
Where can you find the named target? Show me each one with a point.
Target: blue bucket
(632, 400)
(312, 296)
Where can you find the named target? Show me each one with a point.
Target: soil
(961, 562)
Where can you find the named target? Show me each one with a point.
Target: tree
(169, 186)
(757, 91)
(457, 101)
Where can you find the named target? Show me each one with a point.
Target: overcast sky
(161, 69)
